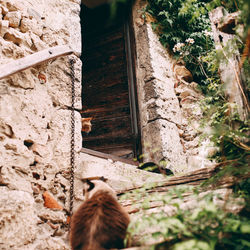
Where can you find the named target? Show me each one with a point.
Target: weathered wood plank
(105, 70)
(196, 177)
(103, 58)
(108, 144)
(102, 113)
(33, 60)
(102, 78)
(108, 156)
(107, 99)
(95, 86)
(103, 40)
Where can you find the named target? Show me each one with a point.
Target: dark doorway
(108, 91)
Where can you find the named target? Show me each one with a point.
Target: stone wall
(169, 109)
(35, 123)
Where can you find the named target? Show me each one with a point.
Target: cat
(86, 124)
(100, 223)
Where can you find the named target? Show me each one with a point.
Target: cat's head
(86, 124)
(93, 186)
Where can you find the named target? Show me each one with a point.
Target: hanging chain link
(72, 152)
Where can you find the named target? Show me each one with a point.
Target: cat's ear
(102, 178)
(87, 119)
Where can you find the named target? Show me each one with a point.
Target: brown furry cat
(86, 124)
(100, 223)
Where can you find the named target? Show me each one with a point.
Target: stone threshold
(121, 175)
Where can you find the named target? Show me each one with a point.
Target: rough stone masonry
(35, 123)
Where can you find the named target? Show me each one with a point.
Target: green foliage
(184, 28)
(205, 227)
(179, 21)
(230, 5)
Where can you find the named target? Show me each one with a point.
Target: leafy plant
(205, 227)
(184, 28)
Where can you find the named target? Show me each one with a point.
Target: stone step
(121, 176)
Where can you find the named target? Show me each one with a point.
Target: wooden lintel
(34, 59)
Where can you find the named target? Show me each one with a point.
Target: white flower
(178, 47)
(190, 40)
(207, 33)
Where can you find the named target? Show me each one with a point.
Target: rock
(121, 176)
(14, 36)
(164, 145)
(35, 125)
(37, 43)
(16, 154)
(192, 144)
(41, 150)
(15, 179)
(189, 92)
(197, 162)
(53, 216)
(139, 21)
(228, 23)
(60, 73)
(51, 243)
(31, 25)
(9, 49)
(35, 189)
(181, 72)
(5, 129)
(14, 18)
(191, 108)
(195, 87)
(23, 79)
(4, 25)
(161, 102)
(4, 9)
(14, 5)
(188, 100)
(17, 219)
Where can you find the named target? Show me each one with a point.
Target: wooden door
(108, 93)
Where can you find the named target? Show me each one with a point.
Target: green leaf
(245, 228)
(192, 245)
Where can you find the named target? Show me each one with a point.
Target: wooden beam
(34, 59)
(108, 156)
(195, 178)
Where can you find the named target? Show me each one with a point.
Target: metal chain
(72, 152)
